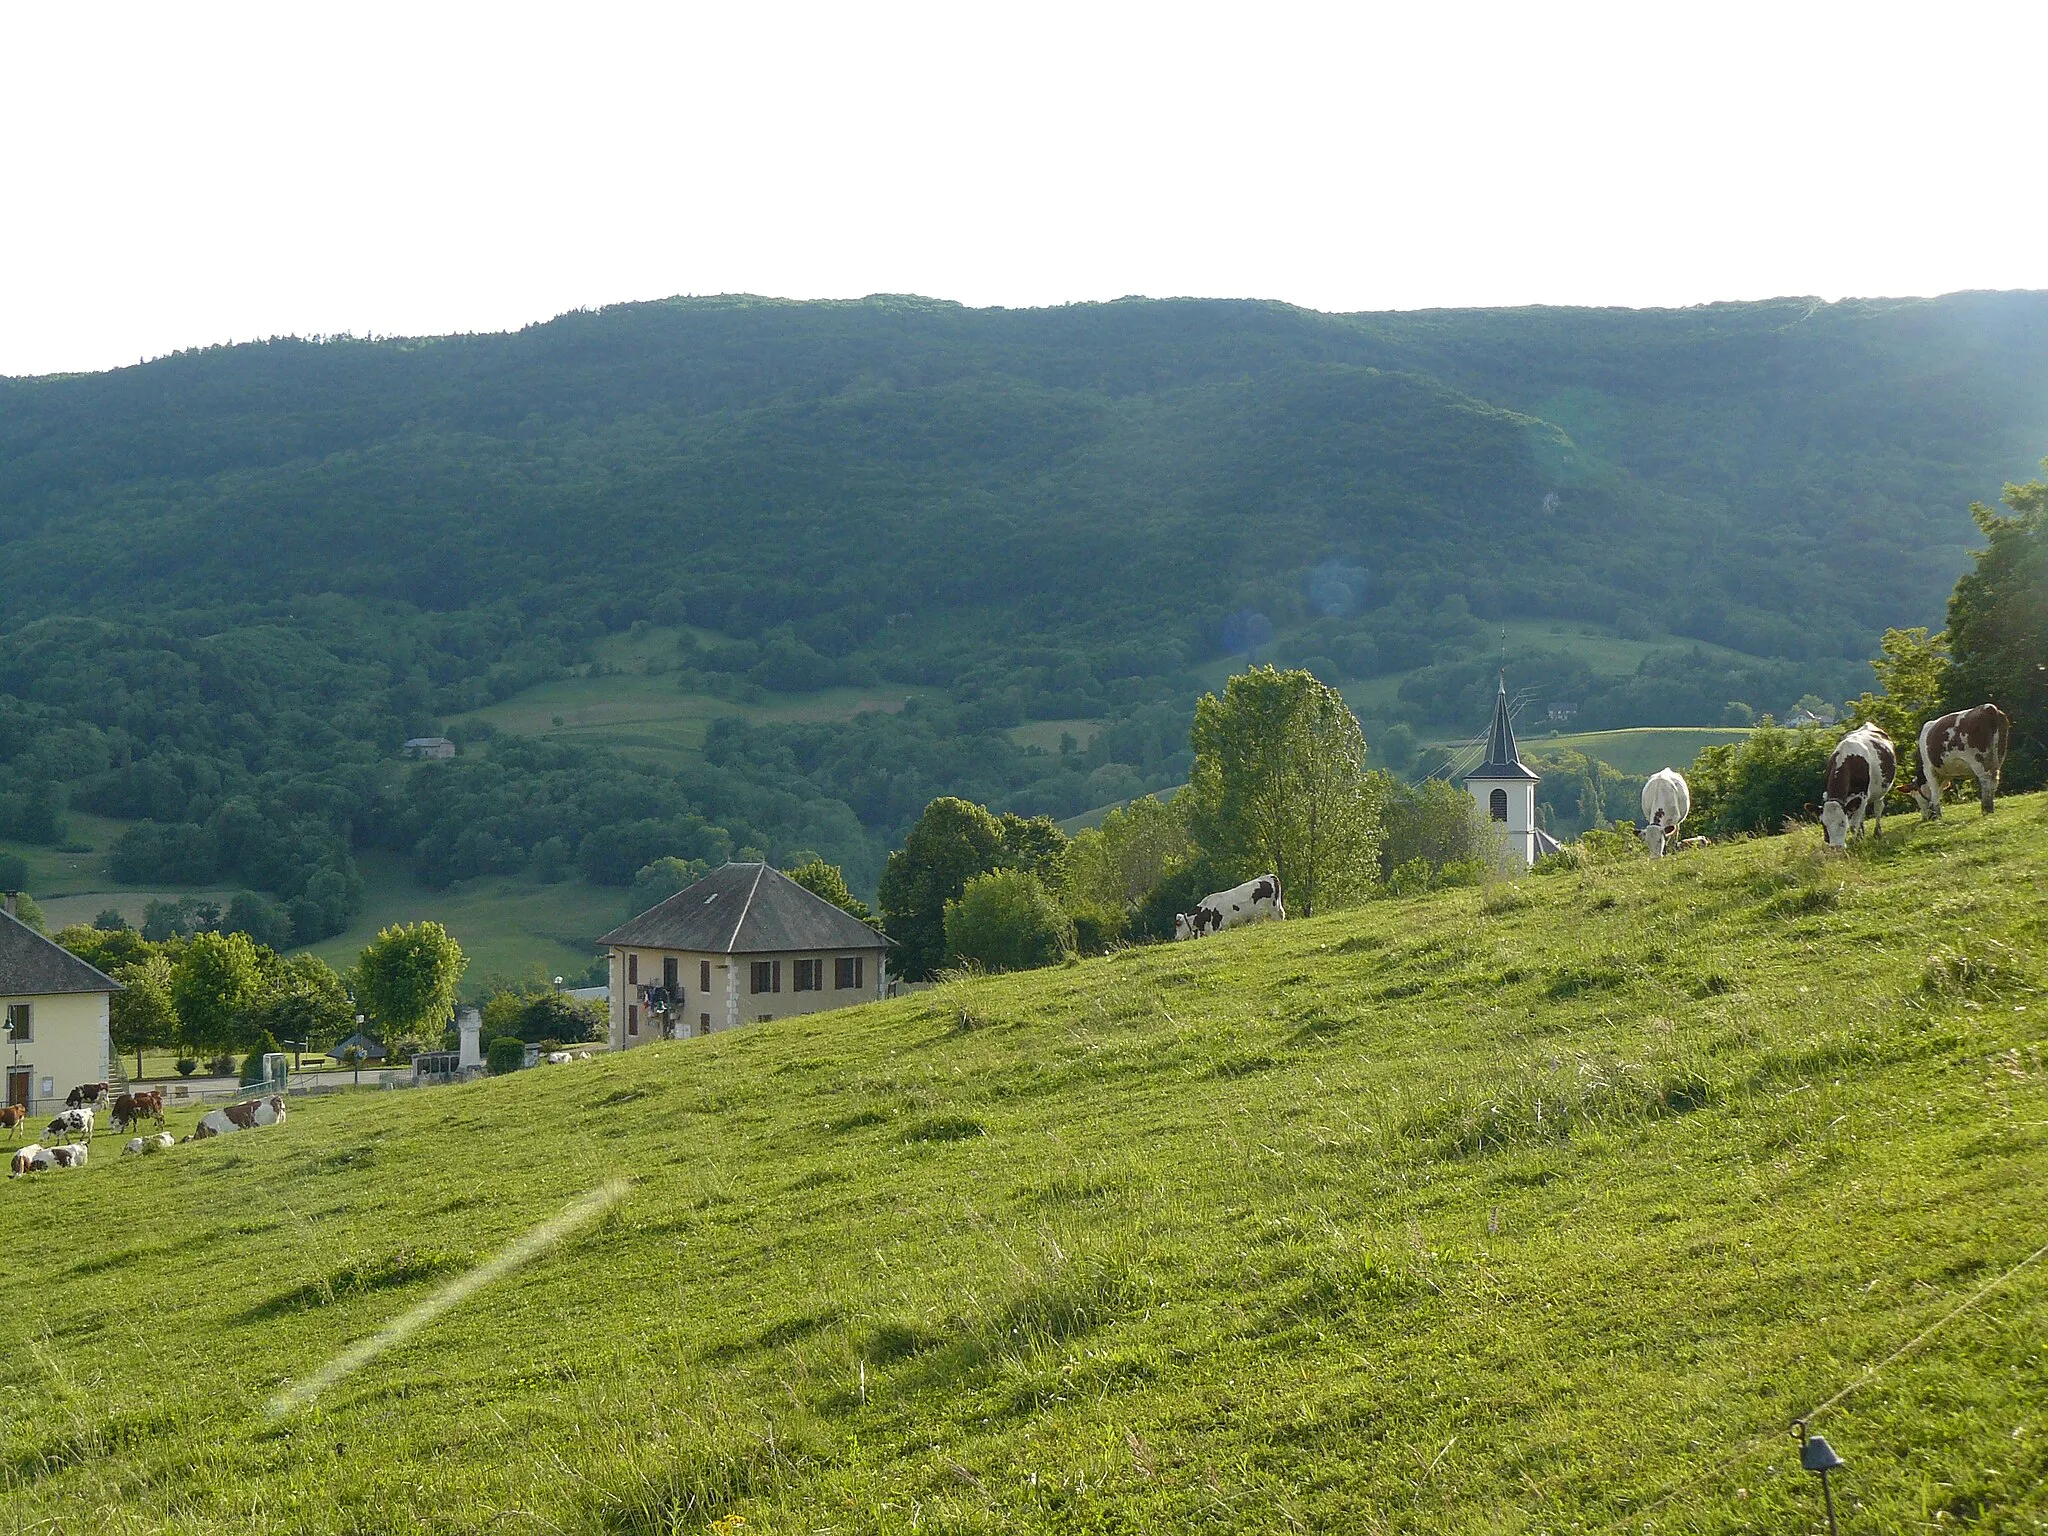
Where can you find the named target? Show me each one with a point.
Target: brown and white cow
(13, 1118)
(131, 1109)
(1256, 901)
(1965, 741)
(245, 1116)
(1861, 773)
(61, 1157)
(25, 1159)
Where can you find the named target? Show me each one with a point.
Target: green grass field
(1640, 749)
(650, 716)
(1543, 1207)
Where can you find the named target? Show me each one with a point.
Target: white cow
(62, 1157)
(1667, 801)
(25, 1159)
(1256, 901)
(161, 1141)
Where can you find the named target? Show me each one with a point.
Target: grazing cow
(71, 1124)
(127, 1111)
(25, 1159)
(152, 1105)
(13, 1118)
(1256, 901)
(1666, 803)
(1967, 741)
(87, 1093)
(1860, 774)
(245, 1116)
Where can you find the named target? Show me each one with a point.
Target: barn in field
(744, 945)
(54, 1014)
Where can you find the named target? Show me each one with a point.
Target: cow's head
(1183, 927)
(1654, 836)
(1834, 823)
(1924, 795)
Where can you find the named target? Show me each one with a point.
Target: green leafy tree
(1431, 828)
(538, 1012)
(1008, 921)
(1913, 673)
(13, 872)
(407, 978)
(306, 1002)
(1115, 864)
(1998, 627)
(829, 881)
(142, 1016)
(1280, 785)
(952, 842)
(213, 989)
(659, 879)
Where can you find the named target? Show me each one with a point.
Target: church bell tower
(1506, 789)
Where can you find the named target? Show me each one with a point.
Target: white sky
(183, 174)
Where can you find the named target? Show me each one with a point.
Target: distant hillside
(1544, 1207)
(239, 577)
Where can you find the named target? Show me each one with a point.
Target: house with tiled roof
(744, 945)
(54, 1032)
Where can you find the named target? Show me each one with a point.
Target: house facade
(744, 945)
(54, 1031)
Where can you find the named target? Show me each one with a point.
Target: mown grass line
(1486, 1210)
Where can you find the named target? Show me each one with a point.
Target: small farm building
(372, 1049)
(53, 1008)
(744, 945)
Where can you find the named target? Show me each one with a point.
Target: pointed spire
(1500, 742)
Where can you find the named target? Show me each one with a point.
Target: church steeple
(1503, 760)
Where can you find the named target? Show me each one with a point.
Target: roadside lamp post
(1816, 1455)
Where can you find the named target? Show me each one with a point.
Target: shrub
(252, 1064)
(1759, 784)
(505, 1054)
(186, 1066)
(221, 1066)
(1008, 921)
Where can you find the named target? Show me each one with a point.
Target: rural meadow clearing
(1544, 1205)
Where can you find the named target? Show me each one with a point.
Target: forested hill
(1786, 478)
(232, 580)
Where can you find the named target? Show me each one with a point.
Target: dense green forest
(232, 581)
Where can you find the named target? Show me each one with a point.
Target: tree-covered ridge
(234, 580)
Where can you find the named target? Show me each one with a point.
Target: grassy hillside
(1538, 1208)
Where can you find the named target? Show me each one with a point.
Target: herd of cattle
(70, 1133)
(1863, 769)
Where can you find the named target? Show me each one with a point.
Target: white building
(53, 1017)
(744, 945)
(1505, 787)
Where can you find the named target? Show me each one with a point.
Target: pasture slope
(1539, 1208)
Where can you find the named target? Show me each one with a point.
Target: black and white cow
(71, 1125)
(1861, 773)
(1966, 741)
(1256, 901)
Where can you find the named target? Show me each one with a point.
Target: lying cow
(13, 1118)
(1666, 803)
(245, 1116)
(71, 1125)
(60, 1157)
(1256, 901)
(1966, 741)
(144, 1144)
(87, 1093)
(25, 1159)
(1861, 773)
